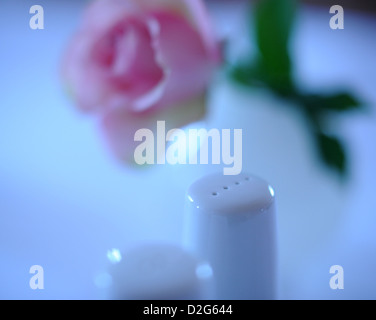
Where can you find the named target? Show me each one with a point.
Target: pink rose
(135, 61)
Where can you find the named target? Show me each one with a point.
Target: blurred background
(65, 201)
(363, 5)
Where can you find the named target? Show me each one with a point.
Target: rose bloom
(138, 61)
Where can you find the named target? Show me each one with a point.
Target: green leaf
(337, 102)
(341, 102)
(247, 74)
(273, 24)
(242, 74)
(332, 152)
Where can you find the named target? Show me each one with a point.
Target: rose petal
(189, 65)
(127, 54)
(82, 80)
(113, 69)
(101, 15)
(119, 126)
(193, 10)
(203, 24)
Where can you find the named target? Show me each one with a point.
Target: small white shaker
(230, 221)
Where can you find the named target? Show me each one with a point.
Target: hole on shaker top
(246, 178)
(225, 187)
(214, 193)
(237, 182)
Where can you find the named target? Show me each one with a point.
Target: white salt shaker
(230, 221)
(158, 272)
